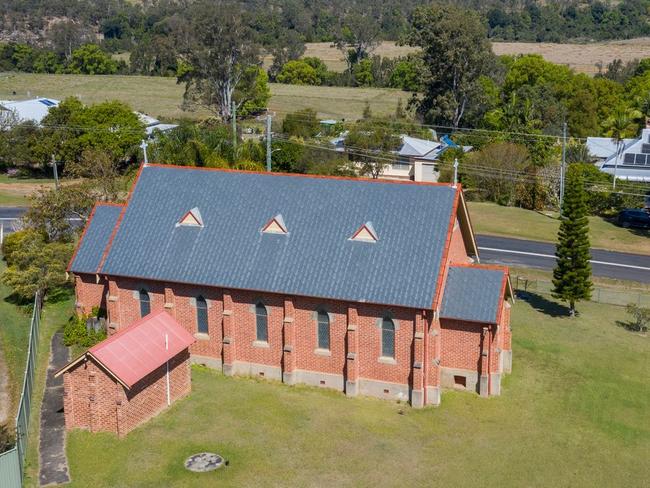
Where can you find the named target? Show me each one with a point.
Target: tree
(302, 123)
(298, 73)
(358, 37)
(110, 127)
(572, 273)
(619, 126)
(220, 47)
(91, 60)
(37, 266)
(407, 74)
(50, 210)
(455, 53)
(66, 36)
(370, 143)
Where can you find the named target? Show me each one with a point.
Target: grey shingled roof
(472, 293)
(316, 257)
(95, 239)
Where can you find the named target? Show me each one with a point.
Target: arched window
(145, 303)
(201, 315)
(387, 338)
(323, 330)
(261, 322)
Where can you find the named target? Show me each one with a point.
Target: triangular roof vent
(275, 226)
(365, 233)
(191, 219)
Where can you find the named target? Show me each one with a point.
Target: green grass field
(162, 97)
(492, 219)
(573, 413)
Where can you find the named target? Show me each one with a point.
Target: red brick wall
(455, 344)
(89, 293)
(457, 251)
(460, 344)
(93, 400)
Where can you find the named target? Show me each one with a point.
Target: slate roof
(472, 293)
(316, 258)
(134, 352)
(95, 238)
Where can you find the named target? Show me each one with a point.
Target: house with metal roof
(128, 378)
(305, 279)
(629, 161)
(33, 110)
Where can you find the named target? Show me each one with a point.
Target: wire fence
(12, 461)
(600, 294)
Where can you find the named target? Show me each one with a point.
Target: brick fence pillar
(417, 367)
(352, 353)
(229, 351)
(289, 343)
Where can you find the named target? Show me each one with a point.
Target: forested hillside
(122, 24)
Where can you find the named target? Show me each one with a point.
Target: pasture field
(162, 97)
(581, 57)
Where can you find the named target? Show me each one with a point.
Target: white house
(633, 161)
(602, 148)
(29, 110)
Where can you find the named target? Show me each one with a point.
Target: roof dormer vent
(191, 219)
(275, 226)
(365, 233)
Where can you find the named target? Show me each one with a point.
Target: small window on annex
(261, 323)
(201, 315)
(323, 330)
(145, 303)
(387, 338)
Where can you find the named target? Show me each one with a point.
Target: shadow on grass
(632, 230)
(544, 305)
(632, 327)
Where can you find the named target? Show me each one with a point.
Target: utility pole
(233, 119)
(455, 173)
(563, 166)
(143, 146)
(268, 143)
(56, 173)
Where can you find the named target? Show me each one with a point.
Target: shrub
(75, 332)
(6, 438)
(640, 317)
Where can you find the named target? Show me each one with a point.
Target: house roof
(603, 147)
(314, 259)
(35, 109)
(95, 238)
(412, 146)
(139, 349)
(473, 293)
(633, 162)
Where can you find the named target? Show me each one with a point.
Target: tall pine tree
(572, 273)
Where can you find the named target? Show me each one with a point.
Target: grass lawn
(493, 219)
(573, 413)
(162, 97)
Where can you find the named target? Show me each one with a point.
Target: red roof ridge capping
(83, 234)
(299, 175)
(493, 267)
(139, 349)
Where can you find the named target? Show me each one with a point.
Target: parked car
(634, 217)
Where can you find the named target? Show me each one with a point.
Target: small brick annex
(430, 352)
(128, 378)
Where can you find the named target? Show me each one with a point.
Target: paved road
(532, 254)
(513, 252)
